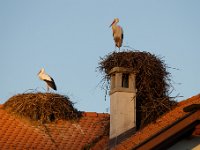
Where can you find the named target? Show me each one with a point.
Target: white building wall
(187, 144)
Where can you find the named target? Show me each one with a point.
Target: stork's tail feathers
(51, 84)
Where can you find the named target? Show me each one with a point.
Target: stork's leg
(115, 48)
(47, 88)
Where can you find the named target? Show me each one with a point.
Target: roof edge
(189, 118)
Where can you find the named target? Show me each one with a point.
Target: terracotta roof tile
(102, 144)
(160, 124)
(153, 128)
(17, 133)
(89, 131)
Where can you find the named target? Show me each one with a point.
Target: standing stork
(117, 33)
(49, 80)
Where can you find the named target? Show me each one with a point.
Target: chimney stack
(122, 104)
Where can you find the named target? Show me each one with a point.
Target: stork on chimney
(118, 34)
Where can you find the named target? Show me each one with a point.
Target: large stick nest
(152, 82)
(44, 107)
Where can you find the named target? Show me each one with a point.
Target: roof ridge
(191, 99)
(169, 118)
(95, 114)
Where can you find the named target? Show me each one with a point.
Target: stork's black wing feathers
(51, 84)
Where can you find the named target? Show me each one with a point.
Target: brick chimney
(122, 104)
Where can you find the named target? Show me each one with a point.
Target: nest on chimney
(43, 107)
(152, 82)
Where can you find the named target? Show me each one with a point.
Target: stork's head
(115, 21)
(41, 71)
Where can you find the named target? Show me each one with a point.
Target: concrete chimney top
(122, 79)
(122, 103)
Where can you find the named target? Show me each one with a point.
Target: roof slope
(18, 133)
(161, 123)
(156, 127)
(88, 132)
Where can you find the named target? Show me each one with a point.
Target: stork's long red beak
(112, 23)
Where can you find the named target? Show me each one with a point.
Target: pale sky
(68, 37)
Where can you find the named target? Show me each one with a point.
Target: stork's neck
(42, 70)
(114, 26)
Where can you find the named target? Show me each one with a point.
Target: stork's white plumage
(49, 80)
(117, 33)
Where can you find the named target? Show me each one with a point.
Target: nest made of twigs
(152, 82)
(44, 107)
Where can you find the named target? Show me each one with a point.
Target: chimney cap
(121, 70)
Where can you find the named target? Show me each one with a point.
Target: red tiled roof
(20, 134)
(197, 130)
(89, 132)
(154, 128)
(161, 123)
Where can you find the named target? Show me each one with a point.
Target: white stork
(49, 80)
(117, 33)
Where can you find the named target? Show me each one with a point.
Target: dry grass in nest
(152, 82)
(44, 107)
